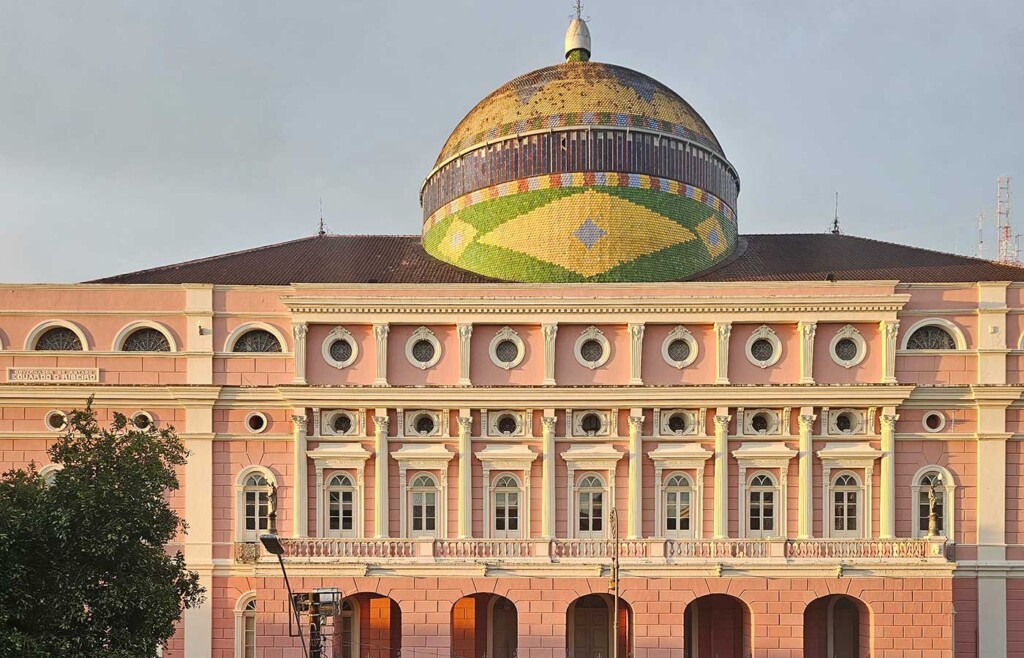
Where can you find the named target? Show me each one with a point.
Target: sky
(136, 134)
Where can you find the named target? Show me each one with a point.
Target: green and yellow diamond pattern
(585, 233)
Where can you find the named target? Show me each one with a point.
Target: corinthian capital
(381, 423)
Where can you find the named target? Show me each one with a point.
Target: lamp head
(273, 544)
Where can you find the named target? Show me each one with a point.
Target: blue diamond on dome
(713, 237)
(589, 233)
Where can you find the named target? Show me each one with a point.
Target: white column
(198, 547)
(465, 476)
(805, 464)
(320, 498)
(299, 331)
(889, 330)
(380, 334)
(636, 347)
(721, 474)
(636, 491)
(547, 510)
(380, 470)
(465, 334)
(549, 331)
(299, 481)
(722, 332)
(887, 488)
(806, 331)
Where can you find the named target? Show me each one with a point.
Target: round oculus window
(591, 351)
(759, 422)
(762, 349)
(506, 351)
(934, 421)
(141, 420)
(677, 423)
(679, 350)
(424, 424)
(507, 424)
(844, 423)
(256, 422)
(423, 351)
(56, 420)
(590, 424)
(342, 424)
(846, 350)
(341, 350)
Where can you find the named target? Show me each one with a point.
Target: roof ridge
(986, 261)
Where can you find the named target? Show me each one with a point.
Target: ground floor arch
(484, 625)
(369, 625)
(717, 626)
(837, 626)
(590, 627)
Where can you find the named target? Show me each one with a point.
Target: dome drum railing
(580, 149)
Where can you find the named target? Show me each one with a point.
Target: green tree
(84, 568)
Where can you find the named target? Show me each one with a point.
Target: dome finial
(577, 37)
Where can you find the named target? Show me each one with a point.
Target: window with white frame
(341, 506)
(762, 496)
(255, 506)
(245, 626)
(349, 629)
(590, 497)
(678, 496)
(939, 480)
(846, 506)
(423, 497)
(506, 496)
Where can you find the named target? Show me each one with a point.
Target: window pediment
(592, 457)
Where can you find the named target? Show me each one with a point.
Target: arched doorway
(484, 625)
(590, 627)
(368, 626)
(716, 626)
(837, 626)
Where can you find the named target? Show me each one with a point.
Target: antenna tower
(1007, 248)
(835, 230)
(322, 231)
(981, 237)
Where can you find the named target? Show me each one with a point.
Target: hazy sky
(136, 134)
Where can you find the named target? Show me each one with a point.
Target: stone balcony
(637, 553)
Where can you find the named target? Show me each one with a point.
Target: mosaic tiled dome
(581, 172)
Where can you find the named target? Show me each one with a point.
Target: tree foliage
(84, 565)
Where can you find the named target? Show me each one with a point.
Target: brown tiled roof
(400, 259)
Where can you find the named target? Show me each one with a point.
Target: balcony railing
(642, 551)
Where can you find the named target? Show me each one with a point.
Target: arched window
(423, 499)
(49, 473)
(341, 506)
(938, 480)
(931, 337)
(846, 506)
(678, 496)
(762, 495)
(505, 500)
(590, 513)
(257, 340)
(245, 626)
(58, 339)
(146, 339)
(255, 506)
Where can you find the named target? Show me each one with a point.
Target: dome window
(340, 348)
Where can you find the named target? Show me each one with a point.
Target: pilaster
(889, 329)
(636, 346)
(299, 331)
(465, 475)
(887, 490)
(806, 331)
(380, 334)
(805, 464)
(721, 522)
(636, 492)
(380, 472)
(198, 440)
(722, 332)
(992, 340)
(548, 422)
(550, 331)
(299, 486)
(465, 341)
(199, 335)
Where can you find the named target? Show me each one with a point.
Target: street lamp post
(613, 519)
(273, 544)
